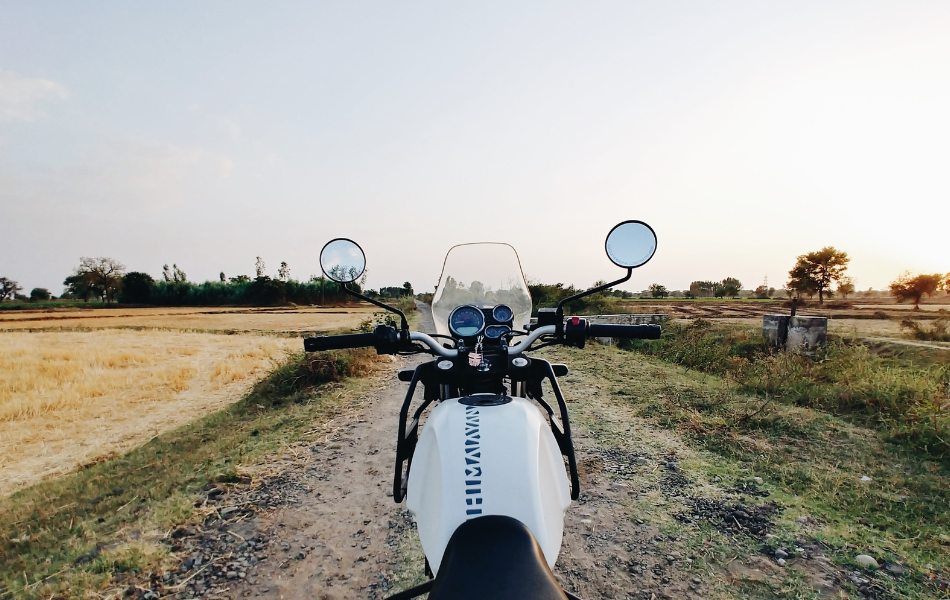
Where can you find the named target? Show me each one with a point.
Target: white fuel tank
(487, 460)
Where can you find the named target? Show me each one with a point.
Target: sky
(207, 134)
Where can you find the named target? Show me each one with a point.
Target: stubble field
(79, 386)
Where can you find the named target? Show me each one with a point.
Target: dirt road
(323, 525)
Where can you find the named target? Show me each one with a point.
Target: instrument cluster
(469, 321)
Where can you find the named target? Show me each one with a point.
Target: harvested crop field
(71, 398)
(222, 320)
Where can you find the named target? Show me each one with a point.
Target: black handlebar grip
(639, 332)
(339, 342)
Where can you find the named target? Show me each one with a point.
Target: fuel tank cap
(485, 400)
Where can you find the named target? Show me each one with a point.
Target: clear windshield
(484, 275)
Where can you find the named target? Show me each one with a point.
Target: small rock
(670, 559)
(866, 561)
(769, 536)
(758, 480)
(697, 580)
(780, 554)
(866, 478)
(781, 562)
(231, 509)
(300, 556)
(717, 479)
(894, 568)
(231, 575)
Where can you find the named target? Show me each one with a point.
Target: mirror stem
(560, 305)
(404, 327)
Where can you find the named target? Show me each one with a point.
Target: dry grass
(205, 319)
(70, 398)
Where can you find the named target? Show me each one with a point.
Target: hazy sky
(206, 134)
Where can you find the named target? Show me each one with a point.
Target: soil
(323, 524)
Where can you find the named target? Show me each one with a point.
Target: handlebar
(386, 339)
(641, 332)
(339, 342)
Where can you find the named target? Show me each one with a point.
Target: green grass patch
(812, 462)
(907, 399)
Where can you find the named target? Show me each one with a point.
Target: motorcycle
(490, 476)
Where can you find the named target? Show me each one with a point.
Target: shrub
(937, 332)
(39, 294)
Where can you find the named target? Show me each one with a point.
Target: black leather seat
(494, 558)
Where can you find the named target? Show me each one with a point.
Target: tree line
(822, 273)
(107, 280)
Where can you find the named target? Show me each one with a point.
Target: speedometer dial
(466, 321)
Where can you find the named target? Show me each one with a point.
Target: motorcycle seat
(494, 558)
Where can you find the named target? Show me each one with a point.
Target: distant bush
(39, 294)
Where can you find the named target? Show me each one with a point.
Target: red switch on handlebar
(575, 321)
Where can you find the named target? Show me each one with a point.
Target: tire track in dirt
(323, 526)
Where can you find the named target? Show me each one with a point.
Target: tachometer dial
(496, 331)
(466, 321)
(502, 313)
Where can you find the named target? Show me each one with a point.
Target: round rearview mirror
(631, 244)
(342, 260)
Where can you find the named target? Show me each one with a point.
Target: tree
(103, 275)
(702, 289)
(283, 273)
(908, 287)
(136, 288)
(240, 279)
(763, 293)
(658, 291)
(174, 274)
(816, 271)
(222, 277)
(79, 285)
(946, 284)
(845, 287)
(729, 286)
(407, 289)
(259, 267)
(8, 288)
(39, 294)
